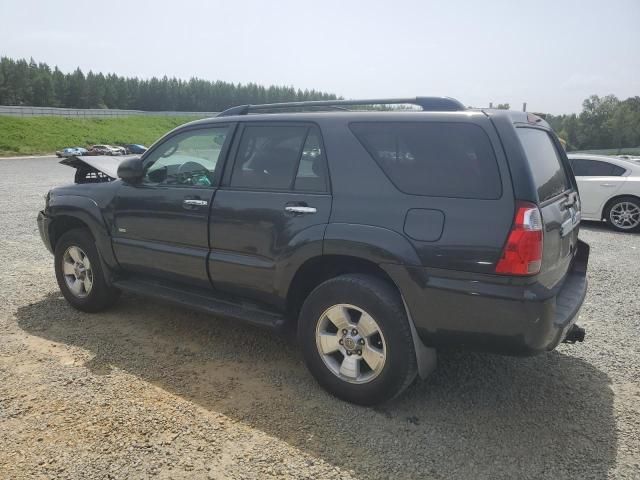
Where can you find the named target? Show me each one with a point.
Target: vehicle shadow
(478, 416)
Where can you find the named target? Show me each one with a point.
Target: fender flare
(88, 212)
(381, 246)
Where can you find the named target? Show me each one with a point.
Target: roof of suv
(336, 109)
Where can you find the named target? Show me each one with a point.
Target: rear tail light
(522, 254)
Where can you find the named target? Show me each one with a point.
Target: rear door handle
(607, 184)
(300, 209)
(194, 202)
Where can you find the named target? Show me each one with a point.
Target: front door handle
(300, 209)
(607, 184)
(194, 202)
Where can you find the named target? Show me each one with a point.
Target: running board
(202, 300)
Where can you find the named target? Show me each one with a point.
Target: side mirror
(130, 170)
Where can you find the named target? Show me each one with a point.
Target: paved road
(146, 390)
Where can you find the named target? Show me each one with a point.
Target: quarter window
(546, 164)
(595, 168)
(433, 158)
(187, 159)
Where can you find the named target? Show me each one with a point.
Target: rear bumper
(43, 227)
(493, 314)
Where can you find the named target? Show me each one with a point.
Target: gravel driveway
(146, 390)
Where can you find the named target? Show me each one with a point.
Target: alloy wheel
(350, 343)
(77, 271)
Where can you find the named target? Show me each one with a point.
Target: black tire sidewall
(633, 200)
(384, 304)
(101, 295)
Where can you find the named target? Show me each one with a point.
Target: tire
(358, 295)
(79, 243)
(615, 214)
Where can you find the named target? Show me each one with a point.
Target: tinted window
(281, 157)
(268, 156)
(595, 168)
(189, 158)
(311, 174)
(434, 159)
(546, 165)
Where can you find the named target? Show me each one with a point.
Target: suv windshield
(546, 165)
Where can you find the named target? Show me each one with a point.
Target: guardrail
(16, 111)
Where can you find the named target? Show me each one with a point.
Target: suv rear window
(433, 158)
(549, 175)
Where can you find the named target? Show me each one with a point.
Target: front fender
(88, 212)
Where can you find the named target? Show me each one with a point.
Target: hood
(105, 164)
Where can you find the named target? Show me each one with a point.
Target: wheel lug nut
(340, 342)
(344, 331)
(361, 341)
(359, 352)
(354, 332)
(348, 353)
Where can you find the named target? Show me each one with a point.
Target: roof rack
(437, 104)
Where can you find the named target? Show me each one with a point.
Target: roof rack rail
(437, 104)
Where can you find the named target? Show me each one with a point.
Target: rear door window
(595, 168)
(280, 157)
(549, 174)
(434, 158)
(268, 156)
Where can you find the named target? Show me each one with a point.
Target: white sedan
(609, 190)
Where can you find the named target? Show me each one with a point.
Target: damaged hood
(102, 163)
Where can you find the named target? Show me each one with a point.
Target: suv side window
(434, 158)
(546, 164)
(280, 157)
(595, 168)
(187, 159)
(312, 174)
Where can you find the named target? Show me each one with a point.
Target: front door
(161, 224)
(274, 204)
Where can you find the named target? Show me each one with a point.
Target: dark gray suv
(378, 236)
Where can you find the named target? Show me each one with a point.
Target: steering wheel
(194, 173)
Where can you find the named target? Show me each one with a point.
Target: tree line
(605, 122)
(29, 83)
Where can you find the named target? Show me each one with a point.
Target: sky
(551, 54)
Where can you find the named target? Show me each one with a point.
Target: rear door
(274, 204)
(558, 201)
(598, 181)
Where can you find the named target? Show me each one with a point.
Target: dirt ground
(147, 390)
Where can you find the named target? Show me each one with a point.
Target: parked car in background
(376, 236)
(609, 190)
(135, 148)
(105, 150)
(71, 152)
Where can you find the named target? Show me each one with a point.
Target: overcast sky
(549, 53)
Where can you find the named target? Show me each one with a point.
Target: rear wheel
(79, 272)
(356, 339)
(623, 214)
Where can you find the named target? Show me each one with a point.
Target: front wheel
(356, 339)
(79, 272)
(623, 214)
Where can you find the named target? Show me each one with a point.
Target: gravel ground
(150, 391)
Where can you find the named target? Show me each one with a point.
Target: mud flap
(426, 357)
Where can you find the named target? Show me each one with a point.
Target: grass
(41, 135)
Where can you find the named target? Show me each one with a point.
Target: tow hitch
(575, 334)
